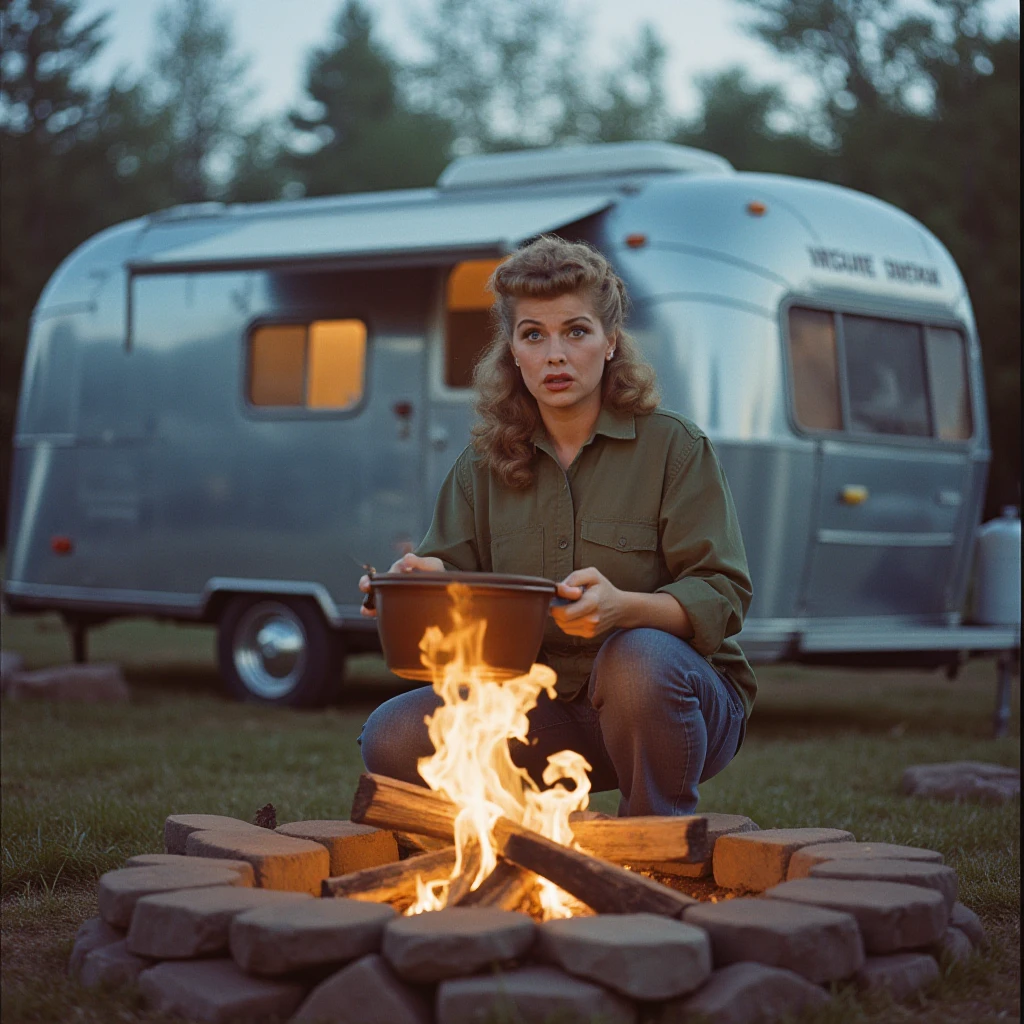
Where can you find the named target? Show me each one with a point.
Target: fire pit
(527, 897)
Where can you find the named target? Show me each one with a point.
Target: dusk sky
(702, 36)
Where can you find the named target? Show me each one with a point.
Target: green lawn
(85, 786)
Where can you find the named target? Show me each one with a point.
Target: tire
(278, 651)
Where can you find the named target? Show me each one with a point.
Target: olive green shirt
(645, 502)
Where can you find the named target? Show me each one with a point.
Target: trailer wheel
(278, 651)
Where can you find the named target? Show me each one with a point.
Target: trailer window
(885, 375)
(947, 381)
(319, 365)
(812, 353)
(467, 320)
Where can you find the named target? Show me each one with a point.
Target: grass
(85, 786)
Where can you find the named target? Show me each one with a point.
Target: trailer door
(889, 401)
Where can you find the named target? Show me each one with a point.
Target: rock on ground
(642, 956)
(901, 974)
(909, 872)
(970, 924)
(820, 945)
(718, 825)
(891, 917)
(530, 995)
(91, 934)
(754, 861)
(11, 663)
(120, 890)
(159, 860)
(196, 922)
(745, 993)
(112, 966)
(455, 941)
(975, 781)
(275, 940)
(178, 827)
(101, 681)
(803, 860)
(367, 991)
(278, 862)
(217, 992)
(351, 846)
(954, 947)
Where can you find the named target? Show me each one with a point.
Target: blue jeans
(654, 721)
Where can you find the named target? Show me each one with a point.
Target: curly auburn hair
(507, 414)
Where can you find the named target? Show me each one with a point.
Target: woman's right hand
(407, 563)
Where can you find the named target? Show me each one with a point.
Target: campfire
(508, 842)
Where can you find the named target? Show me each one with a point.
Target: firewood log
(391, 882)
(505, 887)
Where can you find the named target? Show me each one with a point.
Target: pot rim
(475, 580)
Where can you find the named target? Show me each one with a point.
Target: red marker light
(636, 241)
(61, 545)
(756, 209)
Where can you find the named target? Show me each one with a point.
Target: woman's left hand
(597, 605)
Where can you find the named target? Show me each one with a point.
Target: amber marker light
(61, 545)
(636, 241)
(756, 208)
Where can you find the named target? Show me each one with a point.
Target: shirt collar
(619, 425)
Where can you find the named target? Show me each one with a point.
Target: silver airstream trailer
(226, 408)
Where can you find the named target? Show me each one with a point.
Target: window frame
(303, 318)
(841, 308)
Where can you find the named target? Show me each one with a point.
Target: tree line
(917, 105)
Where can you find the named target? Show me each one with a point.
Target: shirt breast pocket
(625, 553)
(519, 552)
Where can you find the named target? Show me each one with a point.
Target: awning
(422, 228)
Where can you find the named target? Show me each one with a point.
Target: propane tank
(997, 576)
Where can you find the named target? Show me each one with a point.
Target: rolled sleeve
(452, 533)
(703, 549)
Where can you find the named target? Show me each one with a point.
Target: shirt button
(563, 543)
(622, 542)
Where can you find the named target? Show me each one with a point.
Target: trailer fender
(219, 588)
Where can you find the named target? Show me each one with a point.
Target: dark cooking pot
(515, 608)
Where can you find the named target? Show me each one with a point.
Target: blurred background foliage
(917, 104)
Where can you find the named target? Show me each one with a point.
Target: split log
(409, 845)
(505, 887)
(459, 888)
(642, 840)
(604, 887)
(388, 803)
(391, 882)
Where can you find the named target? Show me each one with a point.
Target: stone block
(901, 974)
(972, 781)
(275, 940)
(196, 922)
(908, 872)
(217, 992)
(803, 860)
(970, 924)
(278, 862)
(718, 825)
(754, 861)
(367, 991)
(157, 860)
(99, 682)
(891, 916)
(818, 944)
(91, 934)
(529, 995)
(745, 993)
(954, 947)
(178, 827)
(351, 846)
(455, 941)
(112, 966)
(120, 890)
(642, 956)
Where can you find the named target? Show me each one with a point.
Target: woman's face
(561, 348)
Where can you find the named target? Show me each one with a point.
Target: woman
(575, 474)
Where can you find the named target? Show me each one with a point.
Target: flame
(472, 765)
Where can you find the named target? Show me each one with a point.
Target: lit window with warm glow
(320, 365)
(467, 320)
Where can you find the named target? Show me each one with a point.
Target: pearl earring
(516, 361)
(609, 356)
